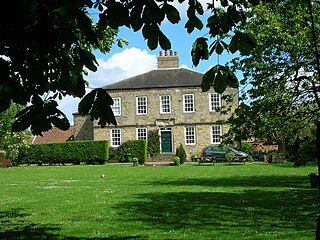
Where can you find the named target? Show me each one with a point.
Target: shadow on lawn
(213, 209)
(239, 181)
(15, 226)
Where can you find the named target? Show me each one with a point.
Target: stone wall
(83, 127)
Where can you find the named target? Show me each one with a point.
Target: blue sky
(136, 58)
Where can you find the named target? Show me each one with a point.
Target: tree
(45, 47)
(47, 44)
(282, 73)
(11, 144)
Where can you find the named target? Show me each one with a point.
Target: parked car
(219, 153)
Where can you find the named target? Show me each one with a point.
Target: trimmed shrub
(153, 143)
(135, 161)
(90, 152)
(176, 161)
(181, 153)
(129, 150)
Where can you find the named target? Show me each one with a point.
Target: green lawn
(251, 201)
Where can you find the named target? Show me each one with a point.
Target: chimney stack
(168, 60)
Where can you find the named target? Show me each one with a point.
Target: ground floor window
(190, 135)
(142, 133)
(216, 134)
(115, 137)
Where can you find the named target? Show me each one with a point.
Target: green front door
(166, 141)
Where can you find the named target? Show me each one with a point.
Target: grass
(252, 201)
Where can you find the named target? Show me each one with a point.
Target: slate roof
(164, 78)
(54, 135)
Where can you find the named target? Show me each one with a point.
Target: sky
(136, 58)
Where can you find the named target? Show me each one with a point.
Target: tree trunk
(318, 160)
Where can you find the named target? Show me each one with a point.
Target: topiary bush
(181, 153)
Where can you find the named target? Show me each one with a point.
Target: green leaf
(88, 59)
(61, 123)
(103, 22)
(219, 48)
(23, 121)
(199, 8)
(135, 17)
(98, 104)
(152, 13)
(147, 31)
(191, 12)
(244, 42)
(117, 14)
(87, 102)
(231, 79)
(207, 80)
(219, 84)
(164, 42)
(198, 23)
(172, 13)
(199, 50)
(152, 42)
(189, 26)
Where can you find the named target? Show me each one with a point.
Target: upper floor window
(165, 104)
(188, 102)
(142, 133)
(141, 103)
(115, 137)
(216, 134)
(116, 107)
(190, 135)
(215, 101)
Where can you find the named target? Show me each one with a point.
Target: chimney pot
(166, 62)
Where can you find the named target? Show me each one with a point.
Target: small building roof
(163, 78)
(54, 135)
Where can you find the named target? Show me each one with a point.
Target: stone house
(168, 99)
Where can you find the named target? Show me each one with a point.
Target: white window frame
(116, 109)
(188, 106)
(140, 107)
(113, 139)
(214, 102)
(140, 137)
(216, 134)
(162, 103)
(190, 135)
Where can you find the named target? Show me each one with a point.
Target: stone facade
(173, 124)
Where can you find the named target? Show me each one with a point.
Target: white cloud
(128, 63)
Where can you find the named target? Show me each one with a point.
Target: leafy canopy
(282, 100)
(47, 44)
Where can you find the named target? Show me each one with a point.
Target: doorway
(166, 140)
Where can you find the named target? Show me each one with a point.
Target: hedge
(90, 152)
(129, 149)
(138, 149)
